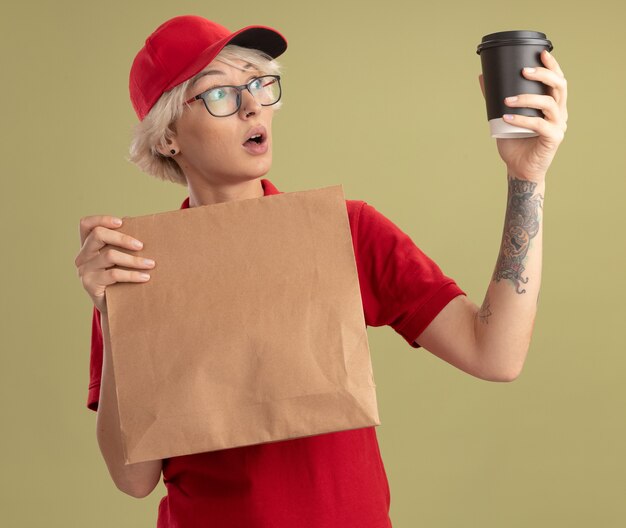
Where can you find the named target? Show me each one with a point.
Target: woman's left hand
(529, 158)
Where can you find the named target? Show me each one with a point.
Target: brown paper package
(250, 330)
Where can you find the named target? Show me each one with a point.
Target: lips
(256, 134)
(256, 140)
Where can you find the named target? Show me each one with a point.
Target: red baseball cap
(181, 47)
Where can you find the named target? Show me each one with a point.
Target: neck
(210, 193)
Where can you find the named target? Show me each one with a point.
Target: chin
(262, 166)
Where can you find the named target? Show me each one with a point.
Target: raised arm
(491, 342)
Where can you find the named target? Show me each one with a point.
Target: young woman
(205, 98)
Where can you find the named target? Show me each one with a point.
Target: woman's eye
(257, 84)
(217, 94)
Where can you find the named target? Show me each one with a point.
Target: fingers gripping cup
(503, 55)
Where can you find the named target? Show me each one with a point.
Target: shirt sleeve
(400, 285)
(95, 361)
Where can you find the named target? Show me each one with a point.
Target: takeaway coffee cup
(503, 55)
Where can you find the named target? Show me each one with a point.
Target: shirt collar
(268, 189)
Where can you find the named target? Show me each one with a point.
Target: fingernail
(508, 117)
(511, 99)
(529, 70)
(149, 262)
(137, 244)
(144, 276)
(117, 221)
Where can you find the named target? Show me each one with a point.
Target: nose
(249, 105)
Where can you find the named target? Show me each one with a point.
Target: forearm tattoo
(521, 225)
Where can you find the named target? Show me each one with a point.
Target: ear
(166, 151)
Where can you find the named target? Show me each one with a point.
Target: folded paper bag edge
(230, 203)
(368, 417)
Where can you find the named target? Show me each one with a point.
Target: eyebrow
(214, 72)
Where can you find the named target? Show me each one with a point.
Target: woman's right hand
(99, 254)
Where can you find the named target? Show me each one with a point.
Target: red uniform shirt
(333, 480)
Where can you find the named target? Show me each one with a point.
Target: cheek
(200, 135)
(212, 142)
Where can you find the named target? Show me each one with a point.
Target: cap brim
(260, 37)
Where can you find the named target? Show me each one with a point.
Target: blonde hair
(159, 124)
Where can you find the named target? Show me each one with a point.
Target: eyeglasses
(223, 101)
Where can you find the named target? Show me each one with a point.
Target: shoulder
(367, 221)
(360, 209)
(354, 207)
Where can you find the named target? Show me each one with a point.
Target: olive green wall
(383, 98)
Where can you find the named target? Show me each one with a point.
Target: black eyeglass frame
(239, 89)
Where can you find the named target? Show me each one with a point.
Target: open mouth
(256, 136)
(256, 139)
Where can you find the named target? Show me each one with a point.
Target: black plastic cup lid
(514, 38)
